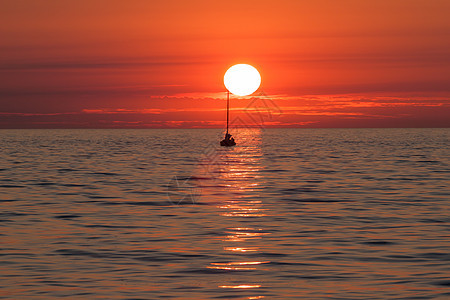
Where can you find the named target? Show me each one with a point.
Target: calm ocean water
(286, 214)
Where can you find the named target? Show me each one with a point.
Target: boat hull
(227, 143)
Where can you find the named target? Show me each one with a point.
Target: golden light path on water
(233, 189)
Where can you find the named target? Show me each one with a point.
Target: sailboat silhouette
(228, 141)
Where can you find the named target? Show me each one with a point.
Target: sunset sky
(160, 64)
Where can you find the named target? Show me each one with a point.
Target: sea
(169, 214)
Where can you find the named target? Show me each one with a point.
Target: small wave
(74, 185)
(12, 214)
(44, 183)
(65, 170)
(442, 283)
(100, 197)
(67, 216)
(314, 200)
(104, 173)
(298, 190)
(11, 186)
(378, 243)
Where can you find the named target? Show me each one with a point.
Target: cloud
(119, 62)
(306, 111)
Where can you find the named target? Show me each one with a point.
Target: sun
(242, 79)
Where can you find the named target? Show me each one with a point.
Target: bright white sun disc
(242, 79)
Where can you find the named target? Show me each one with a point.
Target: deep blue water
(286, 214)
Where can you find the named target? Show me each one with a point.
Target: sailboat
(228, 141)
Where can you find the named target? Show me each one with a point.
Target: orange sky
(145, 64)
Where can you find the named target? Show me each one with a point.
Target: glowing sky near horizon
(145, 64)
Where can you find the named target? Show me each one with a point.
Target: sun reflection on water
(235, 191)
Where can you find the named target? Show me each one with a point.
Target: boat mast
(228, 108)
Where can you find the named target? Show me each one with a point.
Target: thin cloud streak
(308, 111)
